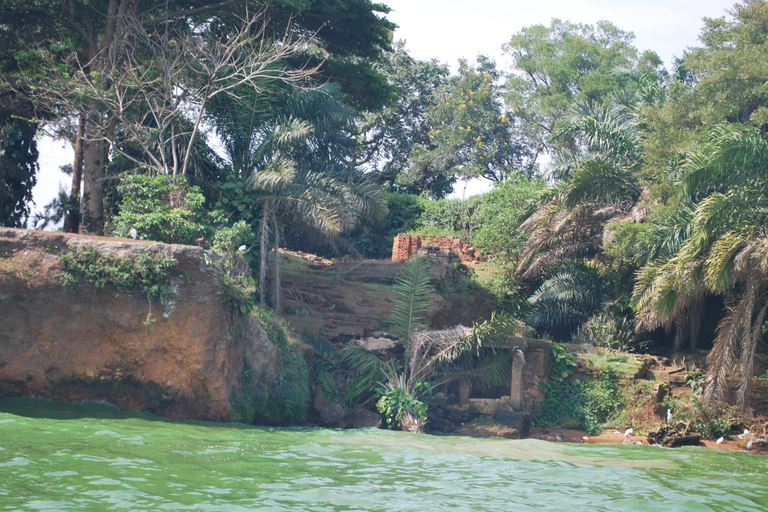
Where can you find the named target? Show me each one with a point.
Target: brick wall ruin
(444, 249)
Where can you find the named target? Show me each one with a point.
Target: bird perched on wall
(39, 224)
(628, 432)
(242, 248)
(720, 440)
(751, 440)
(669, 415)
(134, 233)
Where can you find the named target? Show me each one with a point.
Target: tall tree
(559, 64)
(390, 136)
(18, 157)
(726, 252)
(96, 31)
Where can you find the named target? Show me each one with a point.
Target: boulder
(335, 413)
(372, 344)
(519, 421)
(363, 418)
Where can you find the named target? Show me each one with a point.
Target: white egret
(242, 248)
(720, 440)
(134, 233)
(628, 432)
(669, 415)
(751, 440)
(39, 224)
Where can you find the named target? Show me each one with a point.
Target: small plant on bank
(695, 381)
(400, 404)
(712, 419)
(147, 273)
(235, 245)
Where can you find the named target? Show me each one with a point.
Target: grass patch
(624, 366)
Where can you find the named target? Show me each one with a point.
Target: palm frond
(412, 298)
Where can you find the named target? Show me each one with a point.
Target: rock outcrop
(97, 343)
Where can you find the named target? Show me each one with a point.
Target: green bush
(235, 278)
(163, 209)
(498, 216)
(605, 330)
(447, 215)
(393, 402)
(591, 403)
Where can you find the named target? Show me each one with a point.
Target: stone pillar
(517, 387)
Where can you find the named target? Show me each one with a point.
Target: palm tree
(725, 252)
(297, 155)
(568, 299)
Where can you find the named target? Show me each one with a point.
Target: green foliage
(395, 401)
(563, 63)
(412, 297)
(567, 299)
(393, 133)
(148, 273)
(590, 403)
(498, 217)
(376, 241)
(242, 398)
(472, 135)
(711, 419)
(235, 278)
(350, 373)
(608, 331)
(695, 381)
(18, 169)
(446, 216)
(163, 209)
(284, 401)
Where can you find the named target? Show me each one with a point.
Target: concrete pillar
(516, 389)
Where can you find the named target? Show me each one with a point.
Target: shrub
(146, 273)
(394, 402)
(605, 330)
(499, 214)
(163, 209)
(591, 403)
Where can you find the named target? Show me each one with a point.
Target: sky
(448, 30)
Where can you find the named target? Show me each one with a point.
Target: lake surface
(95, 457)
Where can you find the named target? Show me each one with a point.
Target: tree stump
(409, 422)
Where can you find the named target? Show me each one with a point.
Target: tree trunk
(72, 220)
(409, 422)
(94, 164)
(264, 245)
(278, 299)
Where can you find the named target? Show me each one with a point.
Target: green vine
(283, 401)
(146, 273)
(589, 403)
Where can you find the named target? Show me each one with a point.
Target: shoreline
(555, 435)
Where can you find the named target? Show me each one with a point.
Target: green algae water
(95, 457)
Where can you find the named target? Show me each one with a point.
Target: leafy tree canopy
(562, 63)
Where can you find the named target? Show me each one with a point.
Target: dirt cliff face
(97, 343)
